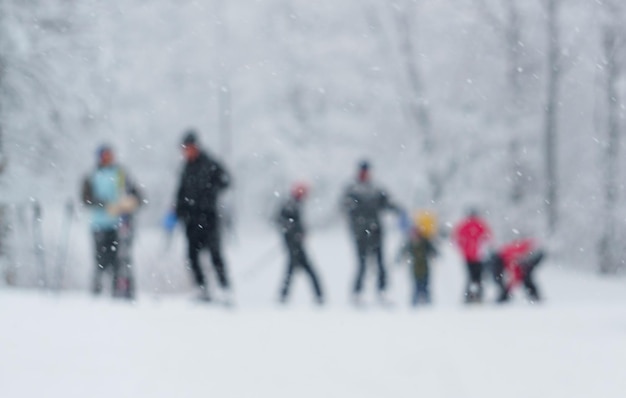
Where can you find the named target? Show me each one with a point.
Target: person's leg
(475, 291)
(531, 287)
(497, 268)
(416, 292)
(109, 257)
(529, 284)
(425, 288)
(478, 278)
(100, 249)
(361, 249)
(126, 285)
(303, 260)
(528, 266)
(215, 249)
(469, 295)
(382, 273)
(195, 243)
(284, 291)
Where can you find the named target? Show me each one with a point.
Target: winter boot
(474, 294)
(227, 298)
(383, 299)
(533, 296)
(503, 297)
(357, 300)
(203, 294)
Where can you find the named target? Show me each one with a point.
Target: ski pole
(63, 245)
(259, 264)
(38, 243)
(160, 277)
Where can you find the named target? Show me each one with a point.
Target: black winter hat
(472, 211)
(190, 137)
(364, 165)
(102, 148)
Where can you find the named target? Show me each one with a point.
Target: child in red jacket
(472, 235)
(513, 265)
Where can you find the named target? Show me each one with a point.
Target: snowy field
(166, 345)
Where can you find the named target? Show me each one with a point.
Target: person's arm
(403, 253)
(88, 197)
(130, 198)
(181, 206)
(221, 178)
(87, 193)
(133, 189)
(169, 221)
(387, 203)
(487, 236)
(279, 218)
(430, 248)
(348, 201)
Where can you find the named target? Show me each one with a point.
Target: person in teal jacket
(112, 198)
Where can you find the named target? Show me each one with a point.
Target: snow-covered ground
(166, 345)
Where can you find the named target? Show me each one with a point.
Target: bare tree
(415, 99)
(417, 102)
(508, 24)
(2, 149)
(613, 47)
(32, 90)
(2, 77)
(224, 112)
(554, 75)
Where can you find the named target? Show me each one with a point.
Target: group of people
(113, 199)
(511, 264)
(363, 202)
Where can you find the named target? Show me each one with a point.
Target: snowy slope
(72, 345)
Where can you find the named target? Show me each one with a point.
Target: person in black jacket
(289, 220)
(363, 202)
(202, 180)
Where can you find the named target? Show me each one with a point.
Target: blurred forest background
(512, 106)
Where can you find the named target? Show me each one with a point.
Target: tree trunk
(513, 38)
(551, 113)
(2, 74)
(417, 103)
(222, 64)
(608, 258)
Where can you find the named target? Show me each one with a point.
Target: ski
(39, 244)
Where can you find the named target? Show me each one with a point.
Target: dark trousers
(497, 267)
(528, 265)
(106, 250)
(421, 290)
(201, 237)
(367, 245)
(126, 281)
(475, 275)
(298, 259)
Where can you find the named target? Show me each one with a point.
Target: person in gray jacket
(363, 202)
